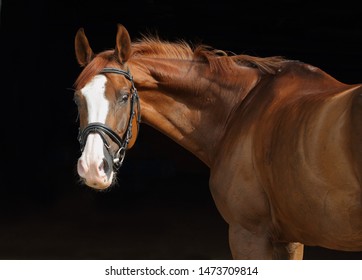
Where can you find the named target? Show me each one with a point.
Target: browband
(127, 74)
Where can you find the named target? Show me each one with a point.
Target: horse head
(108, 108)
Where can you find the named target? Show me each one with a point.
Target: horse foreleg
(288, 251)
(296, 250)
(245, 244)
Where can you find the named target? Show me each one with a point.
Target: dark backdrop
(162, 208)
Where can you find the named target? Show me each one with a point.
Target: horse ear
(123, 44)
(83, 51)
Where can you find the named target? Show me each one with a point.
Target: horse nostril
(105, 166)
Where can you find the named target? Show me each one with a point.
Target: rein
(103, 129)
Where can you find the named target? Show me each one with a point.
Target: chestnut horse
(282, 139)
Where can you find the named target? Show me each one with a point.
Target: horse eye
(76, 101)
(123, 98)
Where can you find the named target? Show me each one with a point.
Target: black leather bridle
(102, 129)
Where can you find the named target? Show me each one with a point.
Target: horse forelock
(102, 60)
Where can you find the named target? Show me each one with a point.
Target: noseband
(102, 129)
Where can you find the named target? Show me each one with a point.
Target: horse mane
(152, 46)
(219, 60)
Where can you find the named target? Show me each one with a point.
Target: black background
(161, 208)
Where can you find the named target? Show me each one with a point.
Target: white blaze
(90, 163)
(94, 93)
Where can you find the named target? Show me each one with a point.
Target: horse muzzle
(95, 166)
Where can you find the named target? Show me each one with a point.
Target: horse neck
(187, 102)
